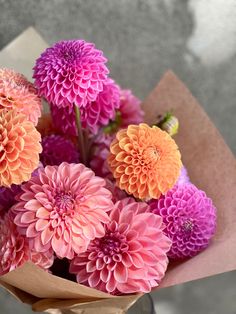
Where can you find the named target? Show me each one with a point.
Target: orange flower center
(151, 154)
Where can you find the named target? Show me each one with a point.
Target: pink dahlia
(16, 92)
(57, 149)
(95, 115)
(183, 178)
(64, 208)
(130, 257)
(70, 72)
(130, 109)
(190, 219)
(14, 248)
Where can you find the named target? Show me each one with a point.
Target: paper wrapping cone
(211, 166)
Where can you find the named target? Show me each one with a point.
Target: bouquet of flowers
(98, 203)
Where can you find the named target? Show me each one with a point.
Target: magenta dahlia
(14, 248)
(70, 72)
(57, 149)
(130, 257)
(64, 208)
(190, 219)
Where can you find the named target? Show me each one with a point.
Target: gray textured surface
(142, 39)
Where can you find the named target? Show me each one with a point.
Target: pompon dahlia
(19, 148)
(16, 92)
(190, 219)
(183, 177)
(14, 248)
(145, 161)
(130, 109)
(64, 208)
(57, 149)
(131, 257)
(95, 115)
(70, 72)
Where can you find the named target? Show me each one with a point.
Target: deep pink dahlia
(130, 257)
(95, 115)
(64, 208)
(190, 219)
(57, 149)
(14, 248)
(183, 178)
(130, 109)
(70, 72)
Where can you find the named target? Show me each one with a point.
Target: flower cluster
(90, 184)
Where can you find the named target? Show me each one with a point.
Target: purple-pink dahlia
(63, 209)
(14, 248)
(57, 149)
(95, 115)
(130, 109)
(130, 257)
(70, 72)
(190, 219)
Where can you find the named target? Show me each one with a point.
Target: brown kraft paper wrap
(211, 166)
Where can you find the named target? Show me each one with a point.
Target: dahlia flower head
(57, 149)
(17, 93)
(63, 209)
(190, 219)
(130, 257)
(19, 148)
(95, 115)
(70, 72)
(145, 161)
(14, 248)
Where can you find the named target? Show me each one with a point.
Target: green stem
(81, 141)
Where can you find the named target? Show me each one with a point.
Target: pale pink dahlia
(57, 149)
(14, 248)
(130, 257)
(130, 109)
(95, 115)
(16, 92)
(190, 219)
(64, 208)
(70, 72)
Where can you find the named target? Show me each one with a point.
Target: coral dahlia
(19, 148)
(145, 161)
(64, 208)
(14, 248)
(190, 219)
(16, 92)
(130, 257)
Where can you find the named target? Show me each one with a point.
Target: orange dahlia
(145, 161)
(19, 148)
(16, 92)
